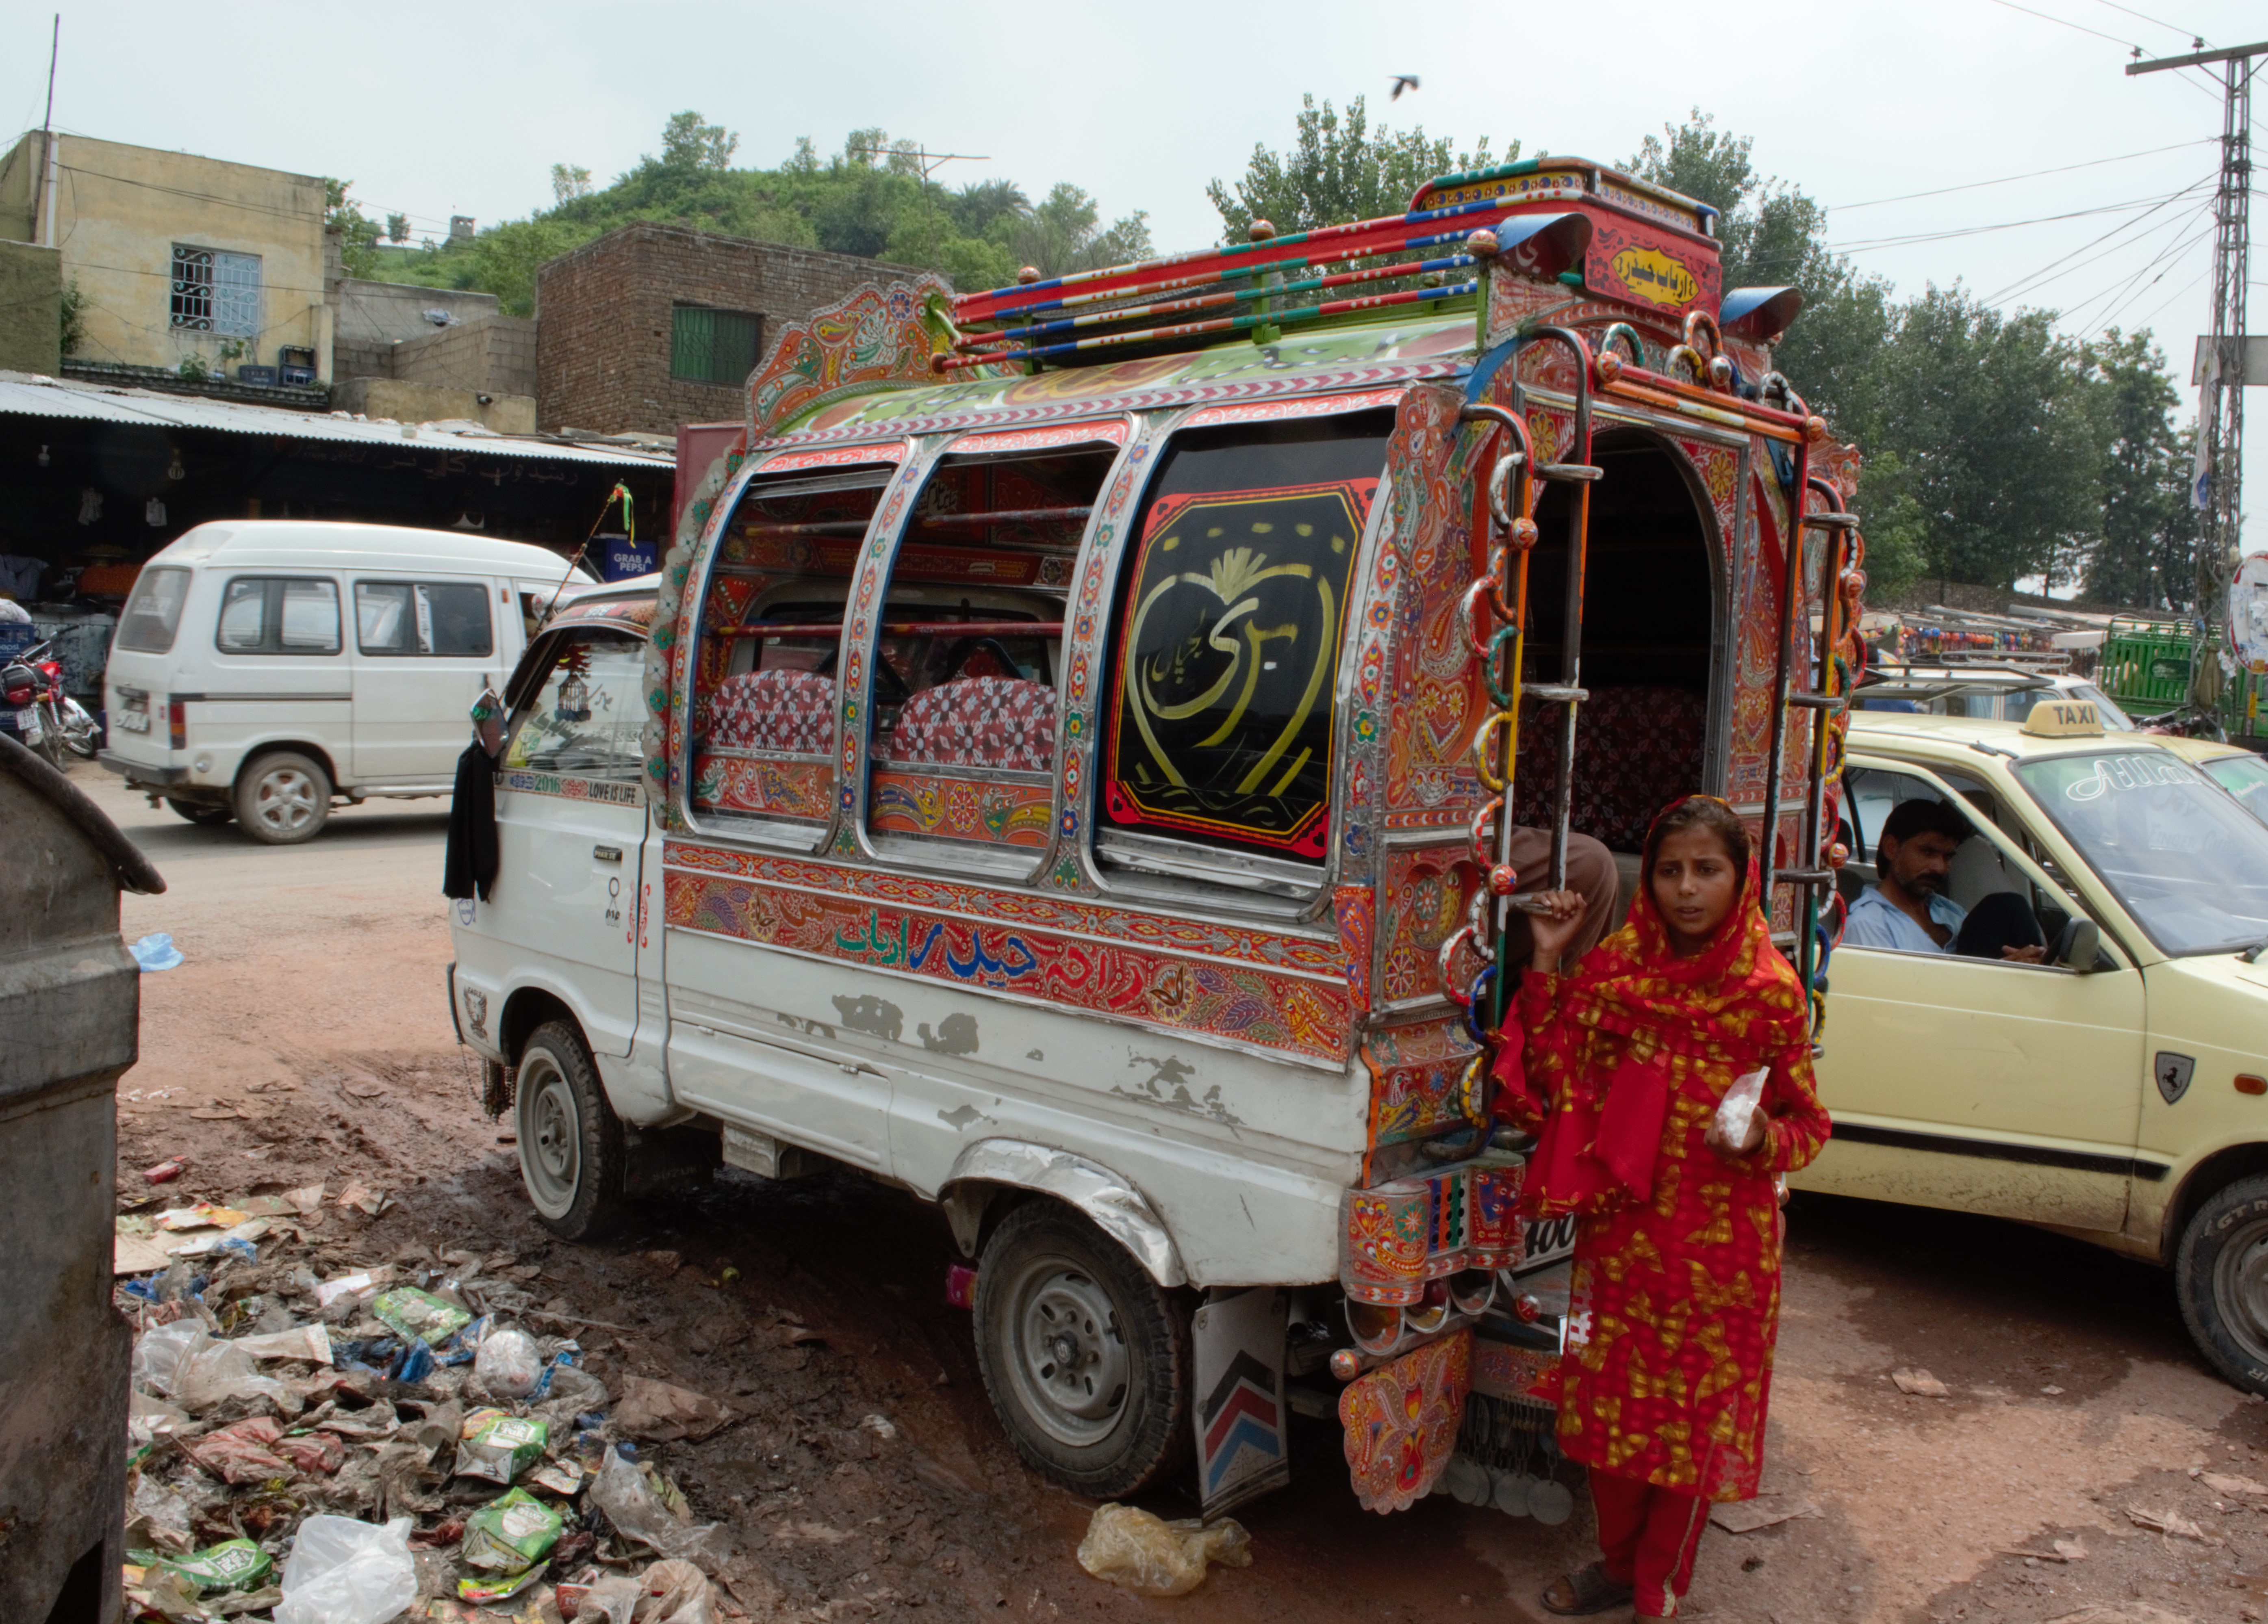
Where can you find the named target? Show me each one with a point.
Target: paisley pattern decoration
(1426, 892)
(1354, 907)
(763, 788)
(1401, 1422)
(1419, 1082)
(1435, 680)
(991, 809)
(869, 339)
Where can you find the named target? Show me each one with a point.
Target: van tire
(572, 1152)
(203, 816)
(1046, 1267)
(2221, 1274)
(283, 798)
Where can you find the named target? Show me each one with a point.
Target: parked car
(2242, 773)
(234, 689)
(2118, 1092)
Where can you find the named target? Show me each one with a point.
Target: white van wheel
(571, 1142)
(284, 798)
(1086, 1357)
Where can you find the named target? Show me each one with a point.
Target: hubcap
(286, 799)
(2240, 1286)
(1070, 1363)
(550, 1139)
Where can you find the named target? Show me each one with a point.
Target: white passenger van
(265, 666)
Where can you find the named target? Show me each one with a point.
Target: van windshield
(2189, 862)
(153, 615)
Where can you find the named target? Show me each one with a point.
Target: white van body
(264, 667)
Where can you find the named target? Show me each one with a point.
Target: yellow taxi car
(2242, 773)
(2104, 1072)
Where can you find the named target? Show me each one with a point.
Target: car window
(2245, 777)
(586, 720)
(2188, 862)
(279, 614)
(438, 619)
(153, 613)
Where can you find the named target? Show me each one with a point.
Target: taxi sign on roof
(2060, 718)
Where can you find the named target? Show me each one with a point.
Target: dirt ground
(307, 1038)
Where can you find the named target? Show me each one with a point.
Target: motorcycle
(47, 719)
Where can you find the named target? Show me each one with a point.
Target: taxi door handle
(607, 854)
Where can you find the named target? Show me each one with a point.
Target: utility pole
(929, 163)
(2220, 488)
(44, 209)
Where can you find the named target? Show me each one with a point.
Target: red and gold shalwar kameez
(1619, 1068)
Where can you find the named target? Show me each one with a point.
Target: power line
(2033, 282)
(2033, 174)
(2068, 22)
(2027, 282)
(2145, 17)
(1869, 243)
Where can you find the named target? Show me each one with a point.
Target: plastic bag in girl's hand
(1737, 1112)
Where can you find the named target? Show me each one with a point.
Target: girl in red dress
(1619, 1066)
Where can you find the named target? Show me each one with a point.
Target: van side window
(770, 629)
(587, 721)
(1218, 715)
(154, 613)
(432, 618)
(279, 614)
(963, 719)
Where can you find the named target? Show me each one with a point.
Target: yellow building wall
(120, 211)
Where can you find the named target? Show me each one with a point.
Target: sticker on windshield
(2127, 772)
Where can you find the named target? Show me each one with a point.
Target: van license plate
(133, 721)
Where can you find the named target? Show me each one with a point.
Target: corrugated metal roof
(27, 394)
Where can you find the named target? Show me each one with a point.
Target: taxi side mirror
(2078, 946)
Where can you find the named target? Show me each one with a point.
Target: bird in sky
(1401, 82)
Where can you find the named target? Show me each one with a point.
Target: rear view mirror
(2079, 945)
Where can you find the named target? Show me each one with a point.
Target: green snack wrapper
(499, 1446)
(232, 1565)
(411, 1313)
(510, 1533)
(496, 1587)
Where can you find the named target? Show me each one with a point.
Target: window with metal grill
(216, 293)
(713, 346)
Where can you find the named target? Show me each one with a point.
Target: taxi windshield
(2189, 862)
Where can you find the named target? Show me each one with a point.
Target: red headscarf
(1736, 1003)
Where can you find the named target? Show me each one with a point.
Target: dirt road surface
(307, 1038)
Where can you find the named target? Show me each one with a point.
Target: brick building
(653, 326)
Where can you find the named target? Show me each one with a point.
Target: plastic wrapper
(1737, 1112)
(509, 1533)
(613, 1600)
(1139, 1551)
(508, 1365)
(159, 1354)
(418, 1316)
(310, 1342)
(147, 1418)
(675, 1592)
(344, 1572)
(232, 1565)
(639, 1512)
(243, 1452)
(182, 1361)
(485, 1588)
(499, 1447)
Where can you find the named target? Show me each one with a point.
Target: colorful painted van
(1081, 720)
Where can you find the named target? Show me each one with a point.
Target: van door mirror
(2080, 944)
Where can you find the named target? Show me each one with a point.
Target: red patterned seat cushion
(787, 710)
(979, 722)
(1636, 749)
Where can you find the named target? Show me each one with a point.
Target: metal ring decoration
(1500, 479)
(1477, 991)
(1499, 577)
(1626, 334)
(1700, 322)
(1483, 820)
(1481, 762)
(1457, 992)
(1503, 634)
(1691, 360)
(1468, 613)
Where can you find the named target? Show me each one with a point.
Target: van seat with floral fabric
(785, 711)
(1000, 722)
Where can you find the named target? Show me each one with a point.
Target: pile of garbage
(316, 1439)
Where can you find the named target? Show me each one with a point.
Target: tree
(1336, 171)
(688, 143)
(2148, 553)
(357, 232)
(397, 228)
(569, 181)
(72, 308)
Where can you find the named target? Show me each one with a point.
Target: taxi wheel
(571, 1153)
(1086, 1357)
(2221, 1274)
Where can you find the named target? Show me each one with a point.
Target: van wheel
(1086, 1357)
(200, 814)
(571, 1142)
(284, 798)
(2222, 1275)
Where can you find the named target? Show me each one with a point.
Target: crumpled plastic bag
(612, 1600)
(182, 1361)
(621, 1491)
(508, 1365)
(661, 1413)
(674, 1592)
(159, 1353)
(1131, 1549)
(346, 1572)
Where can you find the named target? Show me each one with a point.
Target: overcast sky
(435, 111)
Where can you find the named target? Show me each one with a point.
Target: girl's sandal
(1585, 1592)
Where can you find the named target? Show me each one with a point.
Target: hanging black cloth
(471, 861)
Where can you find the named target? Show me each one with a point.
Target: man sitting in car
(1907, 910)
